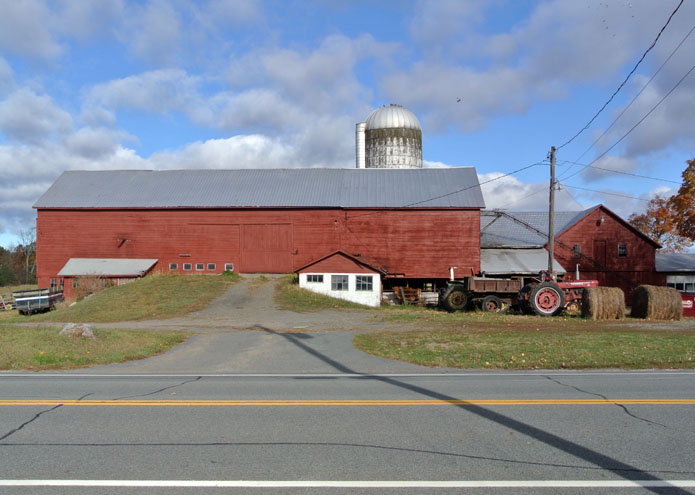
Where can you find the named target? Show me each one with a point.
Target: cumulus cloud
(26, 116)
(24, 30)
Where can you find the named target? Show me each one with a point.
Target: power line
(621, 172)
(605, 192)
(634, 126)
(638, 94)
(626, 79)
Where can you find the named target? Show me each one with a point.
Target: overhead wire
(620, 172)
(626, 78)
(606, 192)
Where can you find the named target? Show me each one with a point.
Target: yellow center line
(483, 402)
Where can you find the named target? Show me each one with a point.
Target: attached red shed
(415, 223)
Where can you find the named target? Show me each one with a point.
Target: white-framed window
(622, 250)
(187, 266)
(53, 282)
(318, 279)
(211, 267)
(339, 282)
(200, 267)
(364, 283)
(229, 267)
(173, 266)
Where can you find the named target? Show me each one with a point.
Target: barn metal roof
(499, 229)
(455, 187)
(516, 261)
(675, 262)
(106, 267)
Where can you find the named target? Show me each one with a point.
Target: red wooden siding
(337, 263)
(598, 241)
(413, 243)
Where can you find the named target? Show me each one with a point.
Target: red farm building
(414, 224)
(596, 241)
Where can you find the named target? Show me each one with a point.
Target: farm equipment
(543, 296)
(5, 304)
(36, 300)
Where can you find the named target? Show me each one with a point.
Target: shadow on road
(602, 461)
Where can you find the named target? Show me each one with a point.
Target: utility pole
(551, 215)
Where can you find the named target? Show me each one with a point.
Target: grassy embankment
(157, 296)
(290, 297)
(476, 340)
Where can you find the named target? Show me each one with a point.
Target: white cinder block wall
(368, 298)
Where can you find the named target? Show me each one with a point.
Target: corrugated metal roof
(106, 267)
(499, 230)
(303, 187)
(675, 262)
(516, 261)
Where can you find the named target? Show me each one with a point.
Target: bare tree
(28, 247)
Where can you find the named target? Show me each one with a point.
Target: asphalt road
(595, 430)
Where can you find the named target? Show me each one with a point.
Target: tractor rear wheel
(546, 299)
(455, 299)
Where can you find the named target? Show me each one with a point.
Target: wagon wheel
(455, 299)
(493, 304)
(547, 299)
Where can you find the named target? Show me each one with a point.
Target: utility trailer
(36, 300)
(543, 296)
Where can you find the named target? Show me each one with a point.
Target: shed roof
(106, 267)
(675, 262)
(521, 228)
(516, 261)
(358, 260)
(456, 187)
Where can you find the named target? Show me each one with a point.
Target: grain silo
(390, 138)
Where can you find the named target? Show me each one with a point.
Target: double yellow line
(257, 403)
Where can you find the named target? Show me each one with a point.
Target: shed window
(339, 282)
(53, 282)
(689, 287)
(187, 266)
(228, 267)
(74, 283)
(315, 278)
(622, 250)
(364, 282)
(200, 266)
(577, 250)
(211, 267)
(62, 282)
(173, 266)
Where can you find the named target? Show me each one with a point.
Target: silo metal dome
(392, 116)
(392, 138)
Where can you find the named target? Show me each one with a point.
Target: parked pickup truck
(36, 300)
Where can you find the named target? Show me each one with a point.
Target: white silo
(392, 139)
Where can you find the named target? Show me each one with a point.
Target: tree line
(670, 221)
(18, 264)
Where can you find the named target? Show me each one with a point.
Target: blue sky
(167, 84)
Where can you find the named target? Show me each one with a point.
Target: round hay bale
(656, 303)
(603, 303)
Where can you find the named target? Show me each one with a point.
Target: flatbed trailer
(36, 300)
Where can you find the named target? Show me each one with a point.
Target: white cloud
(154, 32)
(26, 116)
(24, 29)
(6, 76)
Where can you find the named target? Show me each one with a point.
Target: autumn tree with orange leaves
(671, 221)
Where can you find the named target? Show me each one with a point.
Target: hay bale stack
(657, 303)
(603, 303)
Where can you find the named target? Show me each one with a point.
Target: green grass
(514, 349)
(9, 289)
(151, 297)
(32, 348)
(289, 296)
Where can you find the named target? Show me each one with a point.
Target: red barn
(604, 246)
(413, 223)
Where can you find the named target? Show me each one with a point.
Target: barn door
(266, 248)
(600, 253)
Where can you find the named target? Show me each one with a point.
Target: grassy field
(152, 297)
(289, 296)
(31, 348)
(542, 349)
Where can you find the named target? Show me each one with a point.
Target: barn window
(74, 283)
(364, 282)
(211, 267)
(315, 278)
(173, 266)
(577, 251)
(228, 267)
(200, 267)
(62, 281)
(187, 266)
(622, 250)
(53, 282)
(339, 282)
